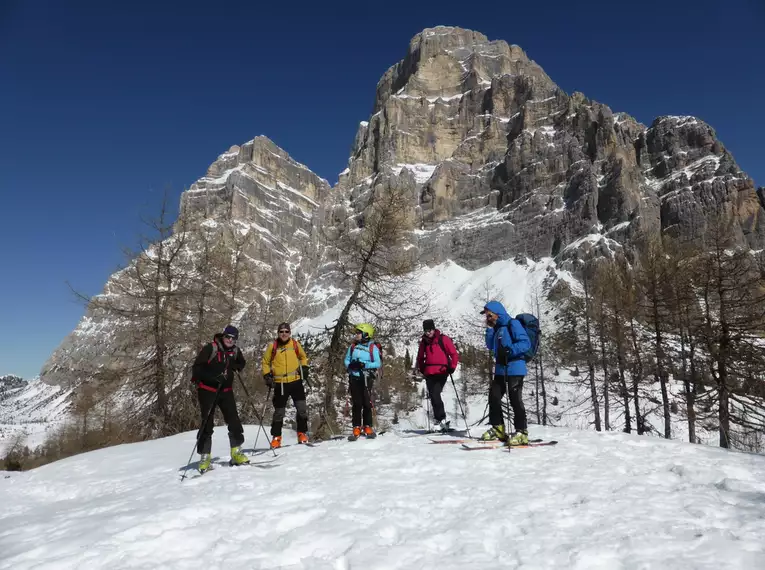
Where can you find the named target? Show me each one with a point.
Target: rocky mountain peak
(479, 131)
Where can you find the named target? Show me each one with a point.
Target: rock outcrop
(502, 161)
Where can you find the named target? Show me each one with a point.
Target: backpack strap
(213, 351)
(273, 354)
(443, 348)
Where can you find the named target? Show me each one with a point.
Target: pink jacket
(436, 355)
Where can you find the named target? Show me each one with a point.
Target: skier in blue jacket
(361, 360)
(507, 338)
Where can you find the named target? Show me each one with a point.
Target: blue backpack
(531, 325)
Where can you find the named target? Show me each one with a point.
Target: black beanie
(428, 325)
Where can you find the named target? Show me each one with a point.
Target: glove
(356, 365)
(450, 370)
(503, 355)
(269, 378)
(304, 374)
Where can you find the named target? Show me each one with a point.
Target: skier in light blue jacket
(361, 360)
(507, 338)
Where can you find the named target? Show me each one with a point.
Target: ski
(534, 444)
(263, 463)
(500, 445)
(356, 437)
(487, 445)
(492, 443)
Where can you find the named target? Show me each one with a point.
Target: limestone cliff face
(502, 162)
(259, 210)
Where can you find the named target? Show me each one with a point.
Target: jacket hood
(498, 309)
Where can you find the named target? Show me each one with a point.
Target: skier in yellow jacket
(285, 368)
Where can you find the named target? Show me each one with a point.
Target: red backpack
(274, 348)
(372, 344)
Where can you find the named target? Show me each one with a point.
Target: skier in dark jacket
(213, 374)
(507, 338)
(436, 360)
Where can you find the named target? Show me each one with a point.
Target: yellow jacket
(284, 361)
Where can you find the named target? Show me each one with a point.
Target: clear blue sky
(103, 104)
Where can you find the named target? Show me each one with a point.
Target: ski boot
(495, 433)
(276, 442)
(302, 437)
(443, 426)
(355, 435)
(519, 438)
(204, 462)
(369, 432)
(237, 457)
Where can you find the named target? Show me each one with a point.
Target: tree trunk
(661, 373)
(590, 356)
(604, 364)
(159, 340)
(544, 389)
(619, 340)
(690, 392)
(637, 374)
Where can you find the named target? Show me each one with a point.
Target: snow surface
(595, 501)
(422, 172)
(32, 411)
(456, 295)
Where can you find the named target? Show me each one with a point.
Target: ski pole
(464, 417)
(202, 430)
(254, 409)
(262, 415)
(427, 404)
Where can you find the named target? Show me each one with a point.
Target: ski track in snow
(594, 501)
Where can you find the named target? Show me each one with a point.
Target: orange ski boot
(355, 435)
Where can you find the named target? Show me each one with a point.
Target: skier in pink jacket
(436, 360)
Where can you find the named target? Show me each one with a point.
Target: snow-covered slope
(31, 410)
(594, 501)
(456, 295)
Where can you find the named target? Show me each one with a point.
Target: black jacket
(220, 367)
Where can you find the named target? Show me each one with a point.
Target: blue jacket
(361, 352)
(509, 333)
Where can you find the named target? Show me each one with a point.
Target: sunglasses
(284, 332)
(231, 337)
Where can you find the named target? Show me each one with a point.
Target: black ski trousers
(435, 384)
(361, 398)
(497, 392)
(227, 405)
(283, 391)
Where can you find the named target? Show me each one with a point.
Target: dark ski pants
(435, 384)
(361, 392)
(283, 391)
(497, 392)
(227, 405)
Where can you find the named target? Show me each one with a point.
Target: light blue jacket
(361, 352)
(508, 332)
